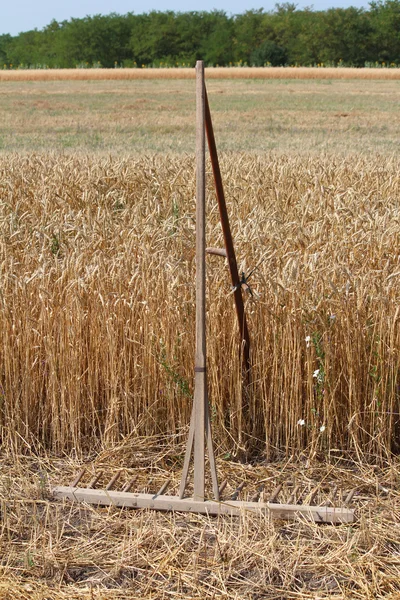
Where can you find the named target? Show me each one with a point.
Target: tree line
(285, 36)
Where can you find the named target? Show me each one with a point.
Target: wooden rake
(200, 425)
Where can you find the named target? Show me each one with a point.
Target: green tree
(4, 44)
(184, 37)
(290, 26)
(25, 49)
(217, 43)
(250, 30)
(269, 52)
(284, 35)
(385, 36)
(345, 35)
(103, 39)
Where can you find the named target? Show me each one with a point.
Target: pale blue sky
(22, 15)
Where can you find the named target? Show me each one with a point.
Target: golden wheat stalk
(97, 301)
(211, 73)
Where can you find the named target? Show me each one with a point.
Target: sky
(23, 15)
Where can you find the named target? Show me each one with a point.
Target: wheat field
(211, 73)
(97, 333)
(97, 268)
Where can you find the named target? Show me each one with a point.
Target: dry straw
(211, 73)
(97, 302)
(63, 551)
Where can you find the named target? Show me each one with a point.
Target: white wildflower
(301, 422)
(316, 373)
(308, 340)
(322, 428)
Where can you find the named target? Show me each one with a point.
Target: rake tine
(236, 493)
(255, 497)
(128, 486)
(349, 497)
(292, 497)
(223, 486)
(113, 480)
(162, 489)
(147, 487)
(78, 478)
(275, 493)
(95, 479)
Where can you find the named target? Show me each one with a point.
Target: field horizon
(378, 73)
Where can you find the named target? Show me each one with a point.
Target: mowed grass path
(146, 116)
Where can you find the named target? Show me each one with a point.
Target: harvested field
(295, 117)
(58, 551)
(211, 73)
(97, 265)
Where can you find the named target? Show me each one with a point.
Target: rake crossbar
(318, 514)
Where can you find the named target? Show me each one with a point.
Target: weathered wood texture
(217, 252)
(200, 385)
(319, 514)
(200, 425)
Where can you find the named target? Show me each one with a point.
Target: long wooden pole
(200, 424)
(230, 250)
(200, 380)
